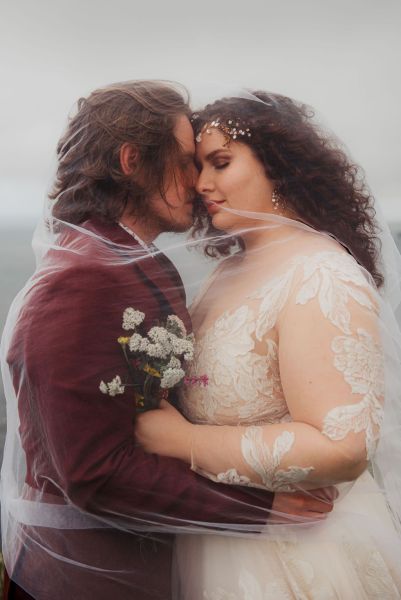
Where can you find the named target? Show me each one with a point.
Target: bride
(289, 331)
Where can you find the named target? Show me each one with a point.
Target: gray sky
(343, 57)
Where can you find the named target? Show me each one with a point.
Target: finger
(310, 498)
(317, 516)
(329, 493)
(319, 507)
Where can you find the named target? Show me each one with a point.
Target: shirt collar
(151, 248)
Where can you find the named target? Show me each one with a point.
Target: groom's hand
(305, 506)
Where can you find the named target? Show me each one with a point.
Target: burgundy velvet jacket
(80, 443)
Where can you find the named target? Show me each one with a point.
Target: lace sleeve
(331, 361)
(331, 371)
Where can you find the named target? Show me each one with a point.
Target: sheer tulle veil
(34, 519)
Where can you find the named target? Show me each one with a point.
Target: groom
(126, 174)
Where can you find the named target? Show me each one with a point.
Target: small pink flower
(196, 380)
(204, 379)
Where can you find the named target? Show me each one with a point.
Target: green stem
(129, 365)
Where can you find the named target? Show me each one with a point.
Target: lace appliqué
(372, 571)
(232, 477)
(244, 386)
(274, 295)
(328, 276)
(301, 580)
(361, 363)
(266, 462)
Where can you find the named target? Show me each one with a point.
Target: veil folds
(81, 501)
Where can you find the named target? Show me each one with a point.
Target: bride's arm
(331, 372)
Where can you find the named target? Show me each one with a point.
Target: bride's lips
(213, 206)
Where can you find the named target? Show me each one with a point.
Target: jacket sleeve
(65, 344)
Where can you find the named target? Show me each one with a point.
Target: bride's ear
(128, 158)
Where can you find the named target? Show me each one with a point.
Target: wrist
(183, 442)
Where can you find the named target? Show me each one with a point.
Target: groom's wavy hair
(89, 180)
(309, 169)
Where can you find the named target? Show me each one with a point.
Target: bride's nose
(204, 185)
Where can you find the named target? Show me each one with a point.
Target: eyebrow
(211, 155)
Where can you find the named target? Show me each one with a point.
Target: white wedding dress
(352, 554)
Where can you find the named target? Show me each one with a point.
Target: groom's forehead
(184, 135)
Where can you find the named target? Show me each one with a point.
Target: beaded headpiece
(231, 129)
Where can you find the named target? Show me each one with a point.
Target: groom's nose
(194, 176)
(191, 176)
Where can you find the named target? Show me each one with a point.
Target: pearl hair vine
(231, 129)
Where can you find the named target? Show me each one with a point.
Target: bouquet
(154, 360)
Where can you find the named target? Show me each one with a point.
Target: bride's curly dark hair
(310, 171)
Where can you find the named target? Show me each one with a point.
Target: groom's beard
(177, 221)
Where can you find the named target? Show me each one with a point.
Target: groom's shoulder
(86, 257)
(76, 282)
(83, 271)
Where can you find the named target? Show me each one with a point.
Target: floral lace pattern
(372, 571)
(333, 278)
(360, 361)
(302, 580)
(232, 477)
(328, 276)
(273, 296)
(244, 386)
(265, 462)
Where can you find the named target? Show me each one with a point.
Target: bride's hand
(164, 431)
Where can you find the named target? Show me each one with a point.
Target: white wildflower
(177, 324)
(112, 388)
(171, 377)
(156, 351)
(132, 318)
(174, 363)
(135, 342)
(159, 335)
(189, 355)
(103, 387)
(189, 352)
(178, 345)
(144, 345)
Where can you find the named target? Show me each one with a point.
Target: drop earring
(276, 199)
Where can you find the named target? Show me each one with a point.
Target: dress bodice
(243, 384)
(238, 350)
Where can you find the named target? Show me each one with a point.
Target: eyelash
(221, 166)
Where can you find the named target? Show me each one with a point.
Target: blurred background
(341, 56)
